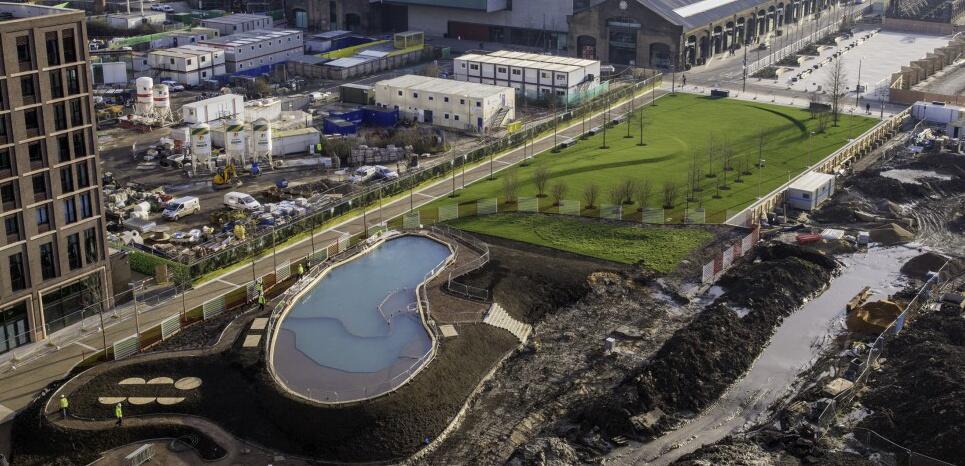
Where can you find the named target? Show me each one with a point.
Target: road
(18, 386)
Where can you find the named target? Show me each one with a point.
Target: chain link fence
(902, 455)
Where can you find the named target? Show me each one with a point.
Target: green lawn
(656, 248)
(676, 129)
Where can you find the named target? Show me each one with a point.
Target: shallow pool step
(498, 317)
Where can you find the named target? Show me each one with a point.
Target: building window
(43, 218)
(40, 187)
(415, 95)
(462, 101)
(66, 180)
(445, 99)
(80, 147)
(8, 196)
(400, 93)
(501, 70)
(73, 252)
(48, 264)
(76, 116)
(35, 152)
(560, 92)
(31, 122)
(27, 89)
(517, 72)
(446, 116)
(73, 81)
(474, 67)
(12, 226)
(17, 278)
(70, 211)
(543, 75)
(455, 117)
(83, 178)
(60, 117)
(478, 103)
(63, 148)
(24, 57)
(6, 168)
(70, 46)
(86, 207)
(56, 84)
(430, 98)
(90, 245)
(53, 48)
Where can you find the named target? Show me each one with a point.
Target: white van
(241, 201)
(181, 207)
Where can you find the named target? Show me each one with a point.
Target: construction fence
(713, 270)
(257, 243)
(841, 402)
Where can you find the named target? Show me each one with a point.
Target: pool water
(360, 317)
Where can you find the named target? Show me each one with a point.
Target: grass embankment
(677, 131)
(656, 248)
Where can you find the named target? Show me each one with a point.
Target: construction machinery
(225, 177)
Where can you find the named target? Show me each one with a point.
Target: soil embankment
(918, 398)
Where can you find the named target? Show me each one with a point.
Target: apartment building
(239, 22)
(247, 51)
(53, 260)
(534, 76)
(449, 103)
(187, 64)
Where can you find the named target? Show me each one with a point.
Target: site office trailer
(443, 102)
(530, 79)
(222, 106)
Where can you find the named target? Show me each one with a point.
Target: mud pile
(871, 184)
(918, 398)
(701, 360)
(919, 266)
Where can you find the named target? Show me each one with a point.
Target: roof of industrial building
(443, 86)
(249, 37)
(331, 34)
(349, 62)
(811, 181)
(14, 11)
(697, 13)
(542, 58)
(496, 60)
(236, 18)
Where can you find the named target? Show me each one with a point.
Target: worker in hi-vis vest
(261, 301)
(119, 413)
(301, 270)
(64, 404)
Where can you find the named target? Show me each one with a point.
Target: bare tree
(616, 194)
(711, 155)
(590, 194)
(510, 186)
(558, 191)
(627, 188)
(669, 194)
(540, 177)
(644, 189)
(837, 87)
(761, 140)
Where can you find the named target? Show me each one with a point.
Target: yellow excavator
(225, 176)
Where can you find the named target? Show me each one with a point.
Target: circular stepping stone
(160, 381)
(168, 401)
(132, 381)
(187, 383)
(141, 400)
(111, 400)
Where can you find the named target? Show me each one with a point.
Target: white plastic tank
(144, 99)
(162, 98)
(201, 142)
(261, 130)
(235, 144)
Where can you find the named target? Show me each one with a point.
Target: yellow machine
(225, 175)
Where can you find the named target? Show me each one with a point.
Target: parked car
(385, 173)
(176, 88)
(156, 7)
(241, 201)
(167, 8)
(363, 174)
(181, 207)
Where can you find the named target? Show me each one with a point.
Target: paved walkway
(18, 386)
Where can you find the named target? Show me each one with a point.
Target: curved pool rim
(420, 290)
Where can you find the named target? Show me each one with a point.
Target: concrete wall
(920, 27)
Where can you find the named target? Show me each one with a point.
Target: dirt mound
(551, 451)
(872, 318)
(890, 234)
(873, 185)
(919, 266)
(835, 213)
(918, 398)
(530, 281)
(702, 359)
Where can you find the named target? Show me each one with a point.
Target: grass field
(676, 129)
(656, 248)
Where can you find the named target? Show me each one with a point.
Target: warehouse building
(258, 49)
(449, 103)
(240, 22)
(188, 64)
(534, 76)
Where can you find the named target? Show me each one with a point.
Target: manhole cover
(111, 400)
(140, 400)
(168, 401)
(160, 381)
(187, 383)
(132, 381)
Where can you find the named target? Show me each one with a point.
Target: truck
(181, 207)
(241, 201)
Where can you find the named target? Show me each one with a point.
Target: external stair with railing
(498, 317)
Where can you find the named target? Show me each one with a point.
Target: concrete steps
(498, 317)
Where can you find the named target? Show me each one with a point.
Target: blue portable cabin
(339, 126)
(380, 117)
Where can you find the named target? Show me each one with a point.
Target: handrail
(452, 283)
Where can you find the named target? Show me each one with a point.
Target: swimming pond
(357, 332)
